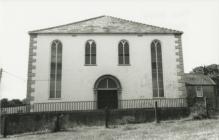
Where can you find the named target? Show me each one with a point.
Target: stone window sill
(55, 99)
(90, 64)
(124, 65)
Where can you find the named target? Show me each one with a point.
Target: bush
(198, 111)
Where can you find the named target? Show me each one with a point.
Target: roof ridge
(155, 29)
(37, 30)
(198, 79)
(145, 24)
(212, 81)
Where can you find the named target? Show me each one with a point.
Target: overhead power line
(19, 77)
(14, 75)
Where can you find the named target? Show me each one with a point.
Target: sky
(198, 19)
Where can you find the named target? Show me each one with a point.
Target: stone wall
(30, 122)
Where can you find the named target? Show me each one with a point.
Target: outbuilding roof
(105, 25)
(197, 79)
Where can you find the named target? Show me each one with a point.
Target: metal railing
(64, 106)
(15, 109)
(92, 105)
(149, 103)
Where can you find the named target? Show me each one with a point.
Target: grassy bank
(167, 130)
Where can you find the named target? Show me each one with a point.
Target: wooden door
(107, 98)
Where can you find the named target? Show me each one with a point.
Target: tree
(210, 70)
(14, 102)
(4, 102)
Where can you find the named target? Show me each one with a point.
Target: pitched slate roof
(197, 79)
(106, 25)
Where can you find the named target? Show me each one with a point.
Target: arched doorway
(107, 89)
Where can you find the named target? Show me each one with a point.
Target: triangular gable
(105, 25)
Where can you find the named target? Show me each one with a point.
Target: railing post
(57, 123)
(206, 106)
(107, 113)
(156, 112)
(28, 107)
(4, 126)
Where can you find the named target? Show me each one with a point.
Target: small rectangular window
(199, 91)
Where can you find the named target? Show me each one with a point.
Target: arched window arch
(55, 69)
(123, 52)
(90, 52)
(157, 69)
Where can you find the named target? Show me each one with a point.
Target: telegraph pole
(1, 70)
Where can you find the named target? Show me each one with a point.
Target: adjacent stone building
(198, 87)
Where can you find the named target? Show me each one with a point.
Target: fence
(92, 105)
(15, 109)
(149, 103)
(64, 106)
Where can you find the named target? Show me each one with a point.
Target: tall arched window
(157, 70)
(90, 52)
(56, 69)
(123, 52)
